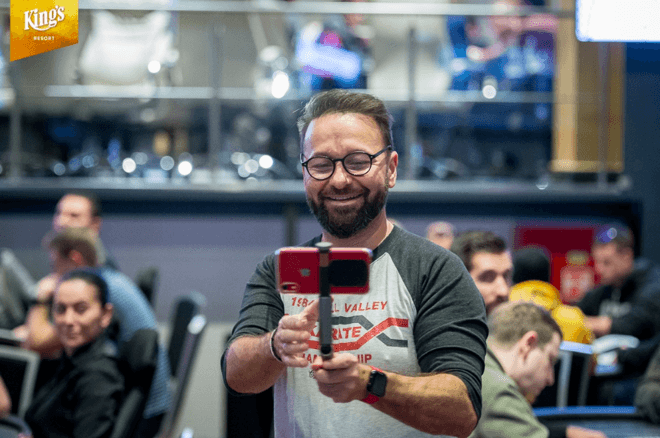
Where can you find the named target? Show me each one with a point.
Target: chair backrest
(185, 309)
(147, 280)
(18, 369)
(16, 290)
(575, 364)
(191, 341)
(138, 359)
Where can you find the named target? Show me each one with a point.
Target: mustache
(333, 193)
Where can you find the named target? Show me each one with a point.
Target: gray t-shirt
(422, 314)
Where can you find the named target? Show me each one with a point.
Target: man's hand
(580, 432)
(293, 332)
(46, 287)
(342, 377)
(599, 325)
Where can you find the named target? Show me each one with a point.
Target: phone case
(298, 270)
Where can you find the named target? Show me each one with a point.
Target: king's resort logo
(43, 20)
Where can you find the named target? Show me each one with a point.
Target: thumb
(310, 315)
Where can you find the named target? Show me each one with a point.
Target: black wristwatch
(376, 386)
(38, 302)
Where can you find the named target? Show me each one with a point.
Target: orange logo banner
(39, 26)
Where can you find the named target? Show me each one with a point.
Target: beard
(348, 221)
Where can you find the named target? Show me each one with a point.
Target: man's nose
(502, 286)
(340, 178)
(67, 317)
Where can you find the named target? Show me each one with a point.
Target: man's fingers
(311, 314)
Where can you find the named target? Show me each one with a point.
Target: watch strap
(372, 398)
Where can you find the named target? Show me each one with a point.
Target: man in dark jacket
(627, 302)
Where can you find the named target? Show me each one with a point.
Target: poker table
(613, 421)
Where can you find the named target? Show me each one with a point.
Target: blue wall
(642, 138)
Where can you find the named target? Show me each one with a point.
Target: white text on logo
(44, 20)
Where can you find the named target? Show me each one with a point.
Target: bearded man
(409, 366)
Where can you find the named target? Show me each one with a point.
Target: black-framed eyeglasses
(355, 163)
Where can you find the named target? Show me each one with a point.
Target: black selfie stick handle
(325, 300)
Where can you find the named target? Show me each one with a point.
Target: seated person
(626, 302)
(74, 248)
(523, 345)
(83, 397)
(488, 260)
(647, 395)
(82, 209)
(531, 276)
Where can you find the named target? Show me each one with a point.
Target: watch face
(377, 383)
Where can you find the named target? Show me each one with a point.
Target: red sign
(575, 282)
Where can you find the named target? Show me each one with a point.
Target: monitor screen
(610, 20)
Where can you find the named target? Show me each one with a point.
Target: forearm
(250, 366)
(435, 404)
(599, 325)
(41, 335)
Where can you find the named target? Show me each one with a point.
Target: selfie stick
(325, 301)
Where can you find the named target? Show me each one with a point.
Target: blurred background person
(487, 259)
(626, 302)
(334, 53)
(647, 396)
(83, 397)
(82, 209)
(441, 233)
(75, 248)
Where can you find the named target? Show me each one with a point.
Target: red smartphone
(298, 270)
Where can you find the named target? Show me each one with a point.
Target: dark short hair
(467, 244)
(616, 233)
(338, 101)
(91, 277)
(531, 263)
(94, 200)
(509, 322)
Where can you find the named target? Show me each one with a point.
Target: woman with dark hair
(82, 398)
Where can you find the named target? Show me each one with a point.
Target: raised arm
(251, 366)
(40, 335)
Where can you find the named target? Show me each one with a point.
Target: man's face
(345, 204)
(78, 314)
(492, 275)
(75, 211)
(537, 369)
(612, 264)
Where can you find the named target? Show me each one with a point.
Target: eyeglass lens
(357, 163)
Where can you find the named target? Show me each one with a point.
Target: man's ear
(108, 310)
(95, 226)
(391, 169)
(528, 343)
(77, 258)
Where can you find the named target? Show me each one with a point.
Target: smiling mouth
(342, 198)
